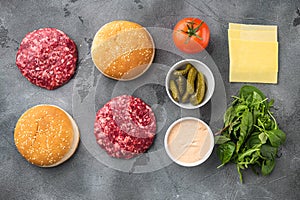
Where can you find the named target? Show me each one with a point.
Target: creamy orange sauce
(189, 141)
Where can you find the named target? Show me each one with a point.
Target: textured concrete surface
(85, 175)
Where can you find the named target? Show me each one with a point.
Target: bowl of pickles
(190, 84)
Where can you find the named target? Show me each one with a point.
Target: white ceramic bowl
(206, 153)
(208, 76)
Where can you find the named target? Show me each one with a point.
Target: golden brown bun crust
(44, 135)
(122, 50)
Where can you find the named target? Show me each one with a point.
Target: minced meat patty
(125, 127)
(47, 58)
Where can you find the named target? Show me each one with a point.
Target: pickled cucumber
(183, 72)
(174, 91)
(198, 96)
(190, 83)
(185, 97)
(181, 83)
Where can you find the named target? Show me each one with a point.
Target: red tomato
(191, 35)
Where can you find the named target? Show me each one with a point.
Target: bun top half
(122, 50)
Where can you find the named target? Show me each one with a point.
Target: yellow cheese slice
(265, 36)
(253, 27)
(253, 56)
(253, 77)
(253, 52)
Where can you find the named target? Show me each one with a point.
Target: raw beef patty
(125, 127)
(47, 58)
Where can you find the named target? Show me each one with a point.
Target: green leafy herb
(268, 152)
(221, 139)
(253, 140)
(250, 136)
(267, 167)
(263, 137)
(245, 128)
(248, 90)
(225, 152)
(276, 137)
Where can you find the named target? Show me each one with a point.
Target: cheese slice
(253, 56)
(252, 27)
(253, 53)
(265, 36)
(253, 77)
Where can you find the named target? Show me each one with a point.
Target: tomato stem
(192, 31)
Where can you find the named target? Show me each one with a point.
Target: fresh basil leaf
(247, 90)
(263, 137)
(225, 152)
(253, 140)
(274, 140)
(229, 114)
(256, 97)
(245, 128)
(268, 152)
(279, 133)
(221, 139)
(276, 137)
(267, 167)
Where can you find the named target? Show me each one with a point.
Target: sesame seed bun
(46, 135)
(122, 50)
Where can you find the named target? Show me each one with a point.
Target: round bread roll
(46, 135)
(122, 50)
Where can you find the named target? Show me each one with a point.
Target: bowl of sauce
(189, 142)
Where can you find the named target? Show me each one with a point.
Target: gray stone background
(83, 176)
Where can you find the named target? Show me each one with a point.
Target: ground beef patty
(47, 58)
(125, 127)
